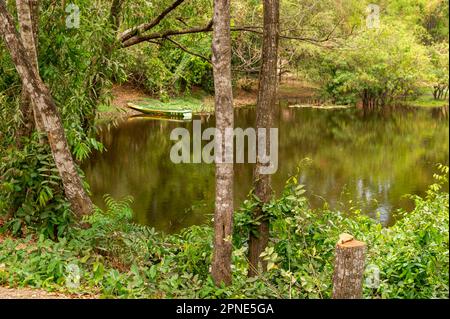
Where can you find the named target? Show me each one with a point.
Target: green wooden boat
(185, 114)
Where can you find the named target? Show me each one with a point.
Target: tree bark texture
(223, 215)
(28, 16)
(40, 95)
(115, 13)
(266, 100)
(349, 266)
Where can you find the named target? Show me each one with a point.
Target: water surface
(358, 160)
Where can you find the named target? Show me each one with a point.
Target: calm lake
(356, 160)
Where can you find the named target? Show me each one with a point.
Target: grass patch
(197, 104)
(426, 100)
(104, 108)
(107, 113)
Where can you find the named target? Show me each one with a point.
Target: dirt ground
(29, 293)
(122, 94)
(26, 293)
(289, 88)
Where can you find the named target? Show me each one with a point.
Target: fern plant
(31, 192)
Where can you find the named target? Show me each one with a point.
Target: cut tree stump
(349, 266)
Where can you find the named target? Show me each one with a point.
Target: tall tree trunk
(40, 95)
(223, 215)
(267, 97)
(28, 14)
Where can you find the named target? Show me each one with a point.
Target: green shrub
(31, 191)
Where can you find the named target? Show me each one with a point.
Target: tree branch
(159, 35)
(135, 31)
(325, 39)
(138, 38)
(254, 29)
(180, 46)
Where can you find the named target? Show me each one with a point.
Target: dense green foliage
(164, 71)
(31, 191)
(440, 61)
(120, 259)
(69, 65)
(395, 66)
(381, 64)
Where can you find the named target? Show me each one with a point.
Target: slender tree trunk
(27, 125)
(40, 95)
(435, 91)
(115, 13)
(28, 14)
(223, 215)
(267, 97)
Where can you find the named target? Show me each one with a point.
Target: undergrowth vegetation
(117, 258)
(31, 190)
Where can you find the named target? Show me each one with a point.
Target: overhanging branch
(183, 48)
(138, 38)
(128, 34)
(159, 35)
